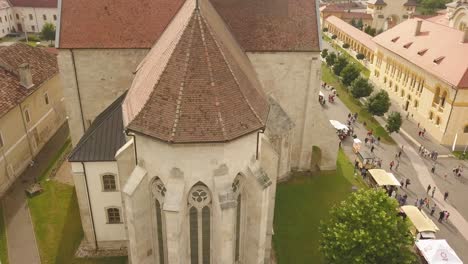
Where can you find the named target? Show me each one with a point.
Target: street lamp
(24, 29)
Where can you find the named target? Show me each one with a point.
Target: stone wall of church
(96, 77)
(293, 78)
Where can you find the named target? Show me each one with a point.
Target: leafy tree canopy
(349, 74)
(379, 103)
(340, 64)
(365, 229)
(324, 53)
(48, 31)
(394, 122)
(331, 58)
(361, 88)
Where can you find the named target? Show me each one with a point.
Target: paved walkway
(22, 247)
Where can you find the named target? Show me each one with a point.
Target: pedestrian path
(21, 239)
(425, 178)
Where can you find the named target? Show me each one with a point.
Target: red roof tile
(196, 84)
(114, 23)
(35, 3)
(258, 25)
(43, 67)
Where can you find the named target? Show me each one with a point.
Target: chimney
(465, 36)
(418, 27)
(25, 76)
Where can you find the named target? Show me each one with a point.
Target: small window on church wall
(108, 183)
(199, 201)
(113, 215)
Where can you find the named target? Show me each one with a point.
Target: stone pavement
(415, 168)
(22, 247)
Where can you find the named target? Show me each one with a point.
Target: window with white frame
(108, 183)
(159, 192)
(199, 203)
(26, 116)
(113, 215)
(55, 17)
(44, 17)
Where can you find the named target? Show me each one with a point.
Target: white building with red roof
(423, 66)
(183, 116)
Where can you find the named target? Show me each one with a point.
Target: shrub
(361, 88)
(360, 56)
(325, 29)
(394, 122)
(349, 74)
(340, 63)
(48, 32)
(331, 58)
(378, 104)
(334, 36)
(324, 53)
(346, 45)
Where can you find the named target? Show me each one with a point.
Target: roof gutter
(78, 90)
(131, 134)
(57, 27)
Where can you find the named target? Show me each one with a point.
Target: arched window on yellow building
(442, 99)
(436, 96)
(437, 122)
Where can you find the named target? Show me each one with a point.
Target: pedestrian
(441, 216)
(391, 164)
(402, 182)
(397, 165)
(445, 176)
(407, 183)
(433, 209)
(416, 202)
(446, 194)
(433, 167)
(423, 132)
(433, 190)
(419, 133)
(447, 214)
(420, 148)
(356, 164)
(372, 148)
(428, 203)
(428, 188)
(418, 124)
(399, 153)
(378, 141)
(365, 141)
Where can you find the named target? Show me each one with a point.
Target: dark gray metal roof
(103, 138)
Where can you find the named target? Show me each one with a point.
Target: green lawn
(355, 106)
(57, 223)
(3, 240)
(301, 204)
(459, 154)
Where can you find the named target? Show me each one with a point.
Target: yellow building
(424, 67)
(31, 107)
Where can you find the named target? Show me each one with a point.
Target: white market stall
(437, 251)
(422, 225)
(381, 178)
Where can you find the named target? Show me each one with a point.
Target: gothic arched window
(158, 191)
(199, 204)
(237, 189)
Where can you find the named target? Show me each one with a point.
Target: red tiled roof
(258, 25)
(440, 41)
(339, 7)
(356, 15)
(272, 25)
(196, 84)
(35, 3)
(114, 23)
(43, 67)
(353, 32)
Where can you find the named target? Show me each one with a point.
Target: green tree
(431, 6)
(394, 122)
(353, 22)
(324, 53)
(365, 229)
(349, 74)
(331, 58)
(378, 104)
(361, 88)
(360, 56)
(48, 32)
(340, 64)
(360, 24)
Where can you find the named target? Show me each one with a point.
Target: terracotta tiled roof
(353, 32)
(258, 25)
(272, 25)
(196, 84)
(356, 15)
(35, 3)
(442, 42)
(339, 7)
(43, 67)
(114, 23)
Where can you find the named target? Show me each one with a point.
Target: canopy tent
(438, 251)
(383, 178)
(321, 94)
(338, 125)
(419, 219)
(357, 141)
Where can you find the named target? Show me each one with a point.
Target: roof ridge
(217, 103)
(182, 85)
(235, 77)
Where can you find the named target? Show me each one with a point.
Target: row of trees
(377, 104)
(429, 7)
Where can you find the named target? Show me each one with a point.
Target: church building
(184, 115)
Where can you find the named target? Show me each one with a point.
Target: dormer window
(439, 60)
(395, 39)
(407, 45)
(422, 52)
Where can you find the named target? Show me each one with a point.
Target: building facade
(31, 107)
(26, 15)
(419, 64)
(387, 14)
(213, 116)
(457, 14)
(346, 12)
